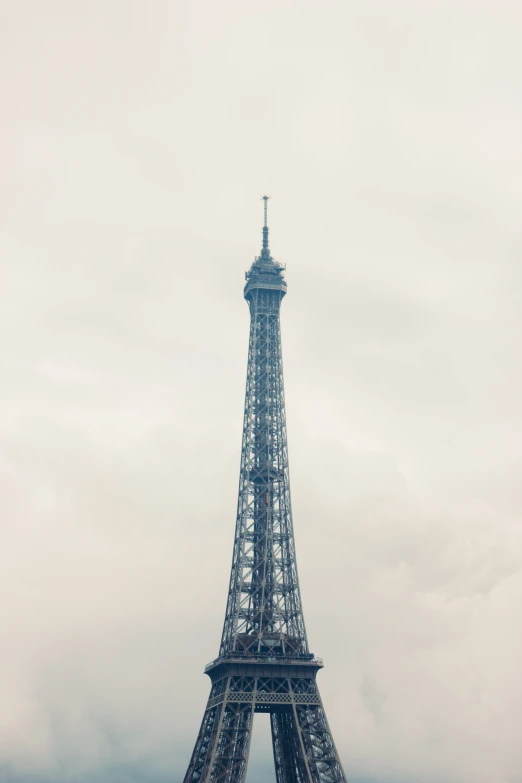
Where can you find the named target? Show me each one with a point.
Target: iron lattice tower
(264, 663)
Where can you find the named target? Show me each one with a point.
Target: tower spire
(265, 252)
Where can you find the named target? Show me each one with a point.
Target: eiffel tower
(264, 663)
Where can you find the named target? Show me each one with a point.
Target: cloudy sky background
(137, 140)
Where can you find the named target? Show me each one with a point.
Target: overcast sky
(137, 140)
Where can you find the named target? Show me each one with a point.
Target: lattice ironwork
(264, 663)
(289, 759)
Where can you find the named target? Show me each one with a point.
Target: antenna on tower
(266, 252)
(265, 199)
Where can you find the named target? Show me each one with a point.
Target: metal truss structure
(264, 663)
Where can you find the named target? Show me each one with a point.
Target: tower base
(304, 750)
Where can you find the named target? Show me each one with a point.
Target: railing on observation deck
(266, 659)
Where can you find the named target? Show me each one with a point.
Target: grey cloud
(137, 140)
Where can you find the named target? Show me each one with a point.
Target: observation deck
(301, 666)
(265, 273)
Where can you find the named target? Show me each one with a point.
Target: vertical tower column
(264, 612)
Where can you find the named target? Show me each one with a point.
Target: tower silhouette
(264, 664)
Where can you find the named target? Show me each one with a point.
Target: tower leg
(204, 745)
(288, 756)
(321, 754)
(221, 751)
(304, 750)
